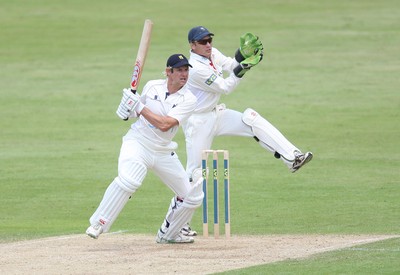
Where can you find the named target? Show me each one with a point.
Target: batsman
(163, 105)
(211, 119)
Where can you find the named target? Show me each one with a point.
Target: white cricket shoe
(187, 231)
(180, 239)
(300, 160)
(94, 231)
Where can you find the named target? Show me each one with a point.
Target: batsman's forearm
(164, 123)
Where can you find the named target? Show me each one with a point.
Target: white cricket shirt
(206, 79)
(179, 105)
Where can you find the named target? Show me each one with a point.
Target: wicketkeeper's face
(202, 47)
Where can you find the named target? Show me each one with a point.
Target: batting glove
(128, 103)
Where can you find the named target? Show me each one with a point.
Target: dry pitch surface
(140, 254)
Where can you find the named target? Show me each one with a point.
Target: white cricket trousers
(200, 130)
(134, 161)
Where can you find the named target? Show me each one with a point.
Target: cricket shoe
(300, 160)
(187, 231)
(94, 231)
(180, 239)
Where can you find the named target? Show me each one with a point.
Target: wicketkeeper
(211, 119)
(163, 105)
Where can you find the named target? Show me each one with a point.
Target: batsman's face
(179, 76)
(202, 47)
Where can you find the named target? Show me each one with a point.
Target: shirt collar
(199, 58)
(181, 91)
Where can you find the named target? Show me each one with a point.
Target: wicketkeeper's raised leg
(272, 139)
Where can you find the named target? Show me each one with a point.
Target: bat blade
(141, 54)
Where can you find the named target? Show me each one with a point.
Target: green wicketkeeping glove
(247, 64)
(249, 45)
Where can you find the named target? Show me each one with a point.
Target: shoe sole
(188, 234)
(162, 241)
(175, 242)
(306, 160)
(92, 236)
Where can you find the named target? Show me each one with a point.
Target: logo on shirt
(211, 79)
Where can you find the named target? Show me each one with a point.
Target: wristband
(139, 107)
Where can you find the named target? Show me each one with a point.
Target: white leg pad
(197, 173)
(184, 211)
(131, 176)
(171, 210)
(113, 202)
(195, 196)
(269, 137)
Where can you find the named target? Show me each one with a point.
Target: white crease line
(365, 241)
(372, 249)
(49, 239)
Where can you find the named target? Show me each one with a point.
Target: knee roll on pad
(249, 116)
(197, 173)
(267, 135)
(130, 180)
(195, 196)
(258, 125)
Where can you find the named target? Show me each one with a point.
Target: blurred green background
(329, 81)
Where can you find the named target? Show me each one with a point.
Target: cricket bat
(141, 54)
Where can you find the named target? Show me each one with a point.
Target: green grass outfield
(329, 81)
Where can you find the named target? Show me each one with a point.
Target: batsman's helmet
(177, 60)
